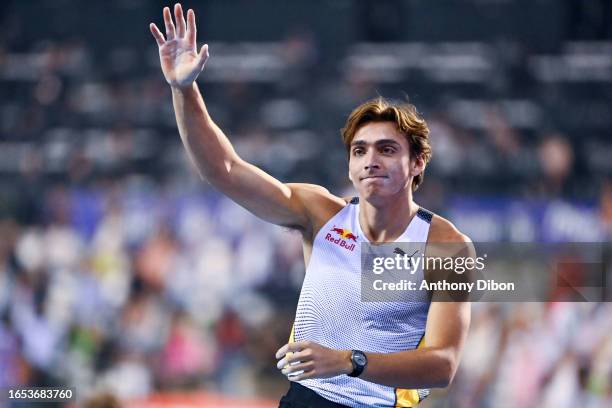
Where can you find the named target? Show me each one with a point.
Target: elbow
(219, 175)
(447, 367)
(442, 382)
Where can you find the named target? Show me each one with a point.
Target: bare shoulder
(315, 192)
(445, 237)
(318, 202)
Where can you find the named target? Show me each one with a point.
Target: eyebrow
(378, 142)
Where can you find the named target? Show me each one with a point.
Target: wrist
(347, 362)
(183, 88)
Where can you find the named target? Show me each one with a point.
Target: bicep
(268, 198)
(447, 325)
(448, 319)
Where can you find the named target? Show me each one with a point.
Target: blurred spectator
(556, 159)
(606, 208)
(186, 357)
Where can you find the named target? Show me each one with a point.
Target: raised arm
(206, 144)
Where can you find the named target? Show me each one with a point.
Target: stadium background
(120, 270)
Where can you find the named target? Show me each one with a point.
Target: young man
(342, 351)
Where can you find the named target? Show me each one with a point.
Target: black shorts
(299, 396)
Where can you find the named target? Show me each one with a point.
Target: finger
(303, 376)
(203, 55)
(298, 346)
(300, 356)
(180, 20)
(191, 28)
(304, 367)
(159, 37)
(283, 350)
(291, 358)
(288, 359)
(289, 347)
(170, 32)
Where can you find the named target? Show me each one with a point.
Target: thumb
(203, 56)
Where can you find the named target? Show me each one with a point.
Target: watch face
(360, 361)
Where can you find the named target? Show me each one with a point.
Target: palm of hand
(180, 61)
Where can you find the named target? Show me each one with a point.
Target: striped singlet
(330, 311)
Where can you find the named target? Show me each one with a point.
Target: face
(380, 165)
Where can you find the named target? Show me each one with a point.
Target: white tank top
(331, 312)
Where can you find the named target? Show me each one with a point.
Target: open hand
(306, 359)
(180, 61)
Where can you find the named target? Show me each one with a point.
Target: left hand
(314, 360)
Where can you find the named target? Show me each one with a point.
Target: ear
(417, 166)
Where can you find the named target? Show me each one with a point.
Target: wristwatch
(360, 361)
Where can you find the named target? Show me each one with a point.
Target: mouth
(372, 177)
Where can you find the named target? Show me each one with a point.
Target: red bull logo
(344, 238)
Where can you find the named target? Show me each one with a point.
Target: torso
(332, 313)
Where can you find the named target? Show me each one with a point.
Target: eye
(388, 150)
(358, 151)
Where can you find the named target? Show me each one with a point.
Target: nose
(371, 161)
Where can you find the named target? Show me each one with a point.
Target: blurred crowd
(186, 292)
(536, 355)
(121, 270)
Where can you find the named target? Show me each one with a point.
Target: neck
(385, 222)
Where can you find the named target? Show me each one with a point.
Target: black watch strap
(360, 361)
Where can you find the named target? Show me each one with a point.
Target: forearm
(206, 144)
(420, 368)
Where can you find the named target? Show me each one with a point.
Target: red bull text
(345, 236)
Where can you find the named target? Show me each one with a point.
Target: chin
(374, 194)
